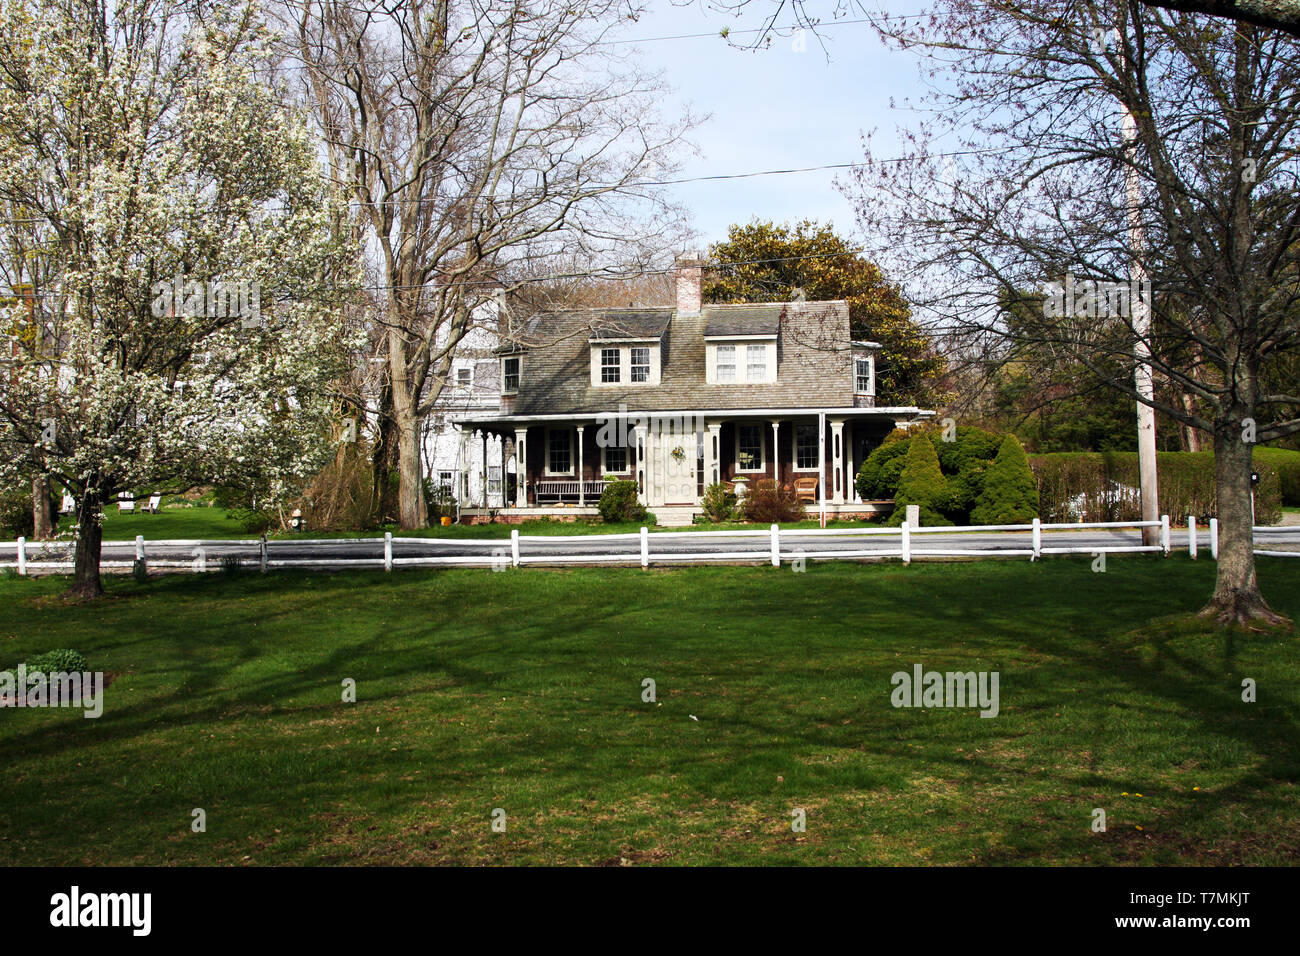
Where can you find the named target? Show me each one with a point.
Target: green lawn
(522, 691)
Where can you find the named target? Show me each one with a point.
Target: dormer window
(640, 364)
(864, 375)
(726, 363)
(510, 374)
(632, 363)
(610, 366)
(744, 361)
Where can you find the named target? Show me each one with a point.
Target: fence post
(1214, 538)
(645, 547)
(22, 555)
(262, 554)
(907, 543)
(388, 550)
(1038, 540)
(514, 547)
(1164, 534)
(140, 565)
(1191, 537)
(776, 545)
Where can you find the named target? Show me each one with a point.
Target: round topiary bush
(618, 503)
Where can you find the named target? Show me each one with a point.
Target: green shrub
(768, 502)
(1103, 486)
(718, 503)
(879, 474)
(64, 660)
(962, 461)
(251, 520)
(1287, 465)
(1010, 493)
(16, 519)
(921, 483)
(618, 503)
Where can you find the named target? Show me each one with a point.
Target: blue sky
(776, 109)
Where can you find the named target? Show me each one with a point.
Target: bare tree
(1036, 188)
(477, 139)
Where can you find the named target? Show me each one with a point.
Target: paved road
(725, 546)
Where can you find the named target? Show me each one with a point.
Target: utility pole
(1140, 309)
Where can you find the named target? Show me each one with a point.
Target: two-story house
(677, 399)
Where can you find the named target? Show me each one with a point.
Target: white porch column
(462, 473)
(582, 486)
(521, 467)
(642, 465)
(712, 450)
(483, 445)
(837, 457)
(776, 458)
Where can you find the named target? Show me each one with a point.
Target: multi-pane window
(609, 365)
(805, 446)
(749, 447)
(862, 376)
(756, 363)
(558, 457)
(510, 375)
(616, 460)
(726, 363)
(463, 376)
(494, 479)
(640, 364)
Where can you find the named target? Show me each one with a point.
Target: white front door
(673, 462)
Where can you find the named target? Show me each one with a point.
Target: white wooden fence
(771, 545)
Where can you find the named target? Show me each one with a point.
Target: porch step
(674, 517)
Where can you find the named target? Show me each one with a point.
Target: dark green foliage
(1287, 465)
(63, 660)
(921, 483)
(1010, 492)
(962, 461)
(718, 503)
(770, 503)
(1102, 486)
(618, 502)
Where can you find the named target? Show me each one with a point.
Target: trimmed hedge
(1103, 486)
(1287, 465)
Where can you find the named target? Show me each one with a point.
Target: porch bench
(562, 490)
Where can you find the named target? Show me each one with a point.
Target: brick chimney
(689, 278)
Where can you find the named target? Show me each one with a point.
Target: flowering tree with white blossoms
(151, 160)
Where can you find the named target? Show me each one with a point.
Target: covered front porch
(559, 465)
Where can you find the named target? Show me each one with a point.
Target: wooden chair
(125, 503)
(805, 489)
(154, 505)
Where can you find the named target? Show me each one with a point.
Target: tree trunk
(42, 511)
(86, 584)
(384, 460)
(1237, 598)
(412, 511)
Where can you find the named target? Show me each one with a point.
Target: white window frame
(816, 446)
(871, 374)
(604, 461)
(546, 463)
(762, 449)
(519, 373)
(733, 365)
(633, 365)
(749, 361)
(468, 372)
(616, 368)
